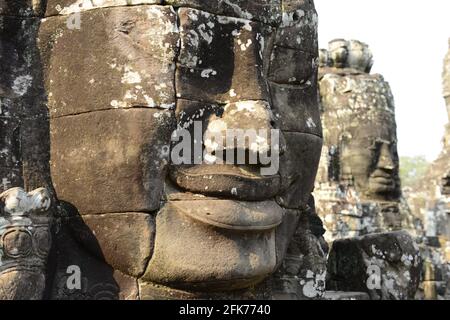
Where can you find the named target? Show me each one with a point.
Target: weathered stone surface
(9, 142)
(302, 273)
(216, 120)
(267, 11)
(10, 178)
(67, 7)
(35, 145)
(227, 171)
(152, 291)
(295, 109)
(129, 289)
(293, 67)
(358, 186)
(186, 249)
(359, 169)
(220, 58)
(340, 295)
(21, 8)
(119, 58)
(298, 168)
(109, 163)
(97, 278)
(128, 147)
(25, 243)
(21, 285)
(298, 29)
(123, 240)
(387, 266)
(19, 77)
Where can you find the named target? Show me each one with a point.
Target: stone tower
(358, 185)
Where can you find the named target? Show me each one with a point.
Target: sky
(409, 40)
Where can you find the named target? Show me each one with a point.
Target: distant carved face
(370, 160)
(359, 122)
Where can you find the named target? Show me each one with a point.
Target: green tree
(412, 170)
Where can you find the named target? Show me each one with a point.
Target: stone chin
(383, 188)
(218, 245)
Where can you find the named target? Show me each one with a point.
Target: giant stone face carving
(358, 185)
(359, 122)
(120, 86)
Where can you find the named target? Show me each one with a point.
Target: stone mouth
(382, 182)
(233, 215)
(241, 182)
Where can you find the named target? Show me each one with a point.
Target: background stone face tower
(358, 186)
(358, 191)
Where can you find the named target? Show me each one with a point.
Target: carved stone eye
(17, 243)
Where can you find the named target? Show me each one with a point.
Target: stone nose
(247, 125)
(385, 159)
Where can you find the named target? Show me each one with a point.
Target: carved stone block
(129, 147)
(119, 58)
(303, 154)
(233, 73)
(295, 108)
(124, 240)
(67, 7)
(267, 11)
(387, 266)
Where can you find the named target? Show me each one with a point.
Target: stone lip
(230, 181)
(237, 215)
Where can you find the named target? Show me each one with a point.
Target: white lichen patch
(22, 84)
(208, 72)
(130, 76)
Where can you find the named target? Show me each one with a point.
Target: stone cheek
(289, 66)
(118, 58)
(298, 167)
(295, 108)
(111, 161)
(123, 240)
